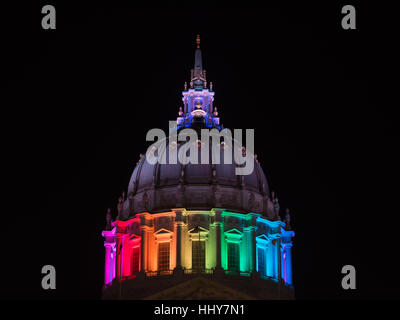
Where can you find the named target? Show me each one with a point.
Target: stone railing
(159, 273)
(198, 271)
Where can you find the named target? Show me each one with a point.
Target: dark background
(82, 98)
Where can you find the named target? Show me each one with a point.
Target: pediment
(197, 229)
(134, 237)
(263, 237)
(162, 231)
(234, 232)
(275, 236)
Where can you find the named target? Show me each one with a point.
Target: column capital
(179, 214)
(176, 210)
(109, 244)
(250, 228)
(217, 212)
(287, 244)
(146, 228)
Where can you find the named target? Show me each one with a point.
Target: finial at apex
(198, 41)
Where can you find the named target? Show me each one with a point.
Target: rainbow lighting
(180, 222)
(237, 243)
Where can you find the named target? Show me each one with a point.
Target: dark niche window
(198, 255)
(233, 256)
(163, 256)
(135, 260)
(261, 261)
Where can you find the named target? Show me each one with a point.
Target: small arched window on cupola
(198, 103)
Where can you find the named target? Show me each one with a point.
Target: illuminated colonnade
(198, 242)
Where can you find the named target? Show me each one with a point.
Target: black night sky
(83, 96)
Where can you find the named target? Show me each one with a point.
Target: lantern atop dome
(198, 100)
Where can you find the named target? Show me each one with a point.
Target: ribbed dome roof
(161, 187)
(146, 175)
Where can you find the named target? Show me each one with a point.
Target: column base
(178, 271)
(218, 271)
(141, 275)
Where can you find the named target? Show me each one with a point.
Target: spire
(198, 61)
(198, 109)
(198, 75)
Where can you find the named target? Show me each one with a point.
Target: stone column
(276, 249)
(113, 261)
(107, 264)
(254, 249)
(218, 223)
(279, 259)
(247, 242)
(119, 256)
(288, 249)
(283, 262)
(109, 256)
(218, 244)
(178, 244)
(143, 250)
(270, 259)
(178, 228)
